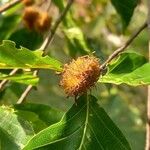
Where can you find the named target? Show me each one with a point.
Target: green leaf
(127, 62)
(74, 36)
(125, 8)
(129, 68)
(76, 41)
(14, 130)
(85, 126)
(26, 38)
(7, 25)
(140, 76)
(59, 4)
(42, 115)
(26, 78)
(11, 57)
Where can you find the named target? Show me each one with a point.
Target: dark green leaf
(7, 25)
(26, 38)
(14, 130)
(129, 68)
(45, 113)
(11, 57)
(59, 4)
(85, 126)
(125, 8)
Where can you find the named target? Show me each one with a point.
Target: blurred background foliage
(98, 28)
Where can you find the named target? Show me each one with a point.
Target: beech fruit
(80, 75)
(43, 22)
(36, 19)
(28, 2)
(30, 15)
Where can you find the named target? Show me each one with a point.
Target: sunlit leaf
(140, 76)
(11, 57)
(85, 126)
(76, 41)
(129, 68)
(14, 130)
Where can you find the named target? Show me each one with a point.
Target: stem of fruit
(44, 46)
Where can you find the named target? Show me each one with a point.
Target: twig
(4, 82)
(9, 5)
(147, 146)
(45, 44)
(2, 9)
(27, 90)
(122, 48)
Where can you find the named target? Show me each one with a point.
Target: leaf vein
(109, 129)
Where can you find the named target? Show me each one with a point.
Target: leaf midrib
(86, 123)
(109, 129)
(61, 138)
(96, 137)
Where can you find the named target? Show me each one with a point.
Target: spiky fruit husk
(43, 22)
(36, 19)
(80, 75)
(28, 2)
(31, 14)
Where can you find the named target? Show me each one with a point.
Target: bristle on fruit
(80, 75)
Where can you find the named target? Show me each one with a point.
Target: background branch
(147, 146)
(9, 5)
(4, 82)
(122, 48)
(44, 46)
(27, 90)
(2, 9)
